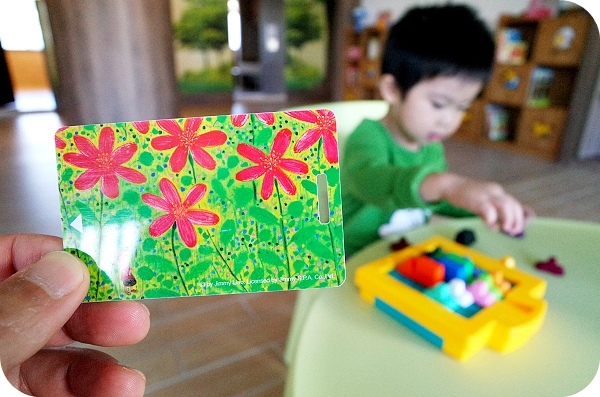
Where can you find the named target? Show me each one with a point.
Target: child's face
(432, 110)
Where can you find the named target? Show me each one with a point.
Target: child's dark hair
(447, 40)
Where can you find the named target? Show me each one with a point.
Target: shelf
(526, 104)
(362, 63)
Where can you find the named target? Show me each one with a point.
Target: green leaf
(122, 216)
(187, 180)
(263, 216)
(232, 162)
(296, 209)
(298, 266)
(265, 235)
(159, 263)
(257, 274)
(242, 196)
(67, 174)
(145, 273)
(309, 186)
(227, 231)
(333, 176)
(131, 197)
(263, 137)
(149, 244)
(274, 287)
(307, 283)
(270, 258)
(144, 211)
(160, 293)
(240, 262)
(205, 250)
(320, 250)
(146, 158)
(185, 254)
(198, 269)
(223, 173)
(219, 189)
(88, 215)
(305, 235)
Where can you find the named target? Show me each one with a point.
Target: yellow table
(345, 347)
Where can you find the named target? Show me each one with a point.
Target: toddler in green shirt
(435, 64)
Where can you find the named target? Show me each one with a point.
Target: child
(435, 64)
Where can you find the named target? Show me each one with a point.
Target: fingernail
(58, 273)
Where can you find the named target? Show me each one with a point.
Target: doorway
(26, 61)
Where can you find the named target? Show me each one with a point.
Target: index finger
(20, 250)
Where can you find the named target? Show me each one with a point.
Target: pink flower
(103, 163)
(186, 140)
(179, 212)
(142, 126)
(238, 120)
(59, 143)
(271, 165)
(324, 126)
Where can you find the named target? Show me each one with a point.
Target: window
(20, 28)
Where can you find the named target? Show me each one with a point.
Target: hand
(498, 209)
(41, 290)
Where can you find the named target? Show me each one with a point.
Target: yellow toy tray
(504, 326)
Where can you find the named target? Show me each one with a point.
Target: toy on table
(465, 237)
(203, 205)
(457, 298)
(400, 244)
(550, 266)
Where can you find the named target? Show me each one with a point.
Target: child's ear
(388, 89)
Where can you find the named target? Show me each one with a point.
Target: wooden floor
(233, 345)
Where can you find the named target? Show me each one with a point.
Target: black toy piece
(465, 237)
(400, 244)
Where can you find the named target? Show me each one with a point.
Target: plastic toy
(465, 237)
(400, 244)
(550, 266)
(493, 305)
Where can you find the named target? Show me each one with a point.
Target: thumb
(36, 302)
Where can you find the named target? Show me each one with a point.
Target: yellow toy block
(505, 325)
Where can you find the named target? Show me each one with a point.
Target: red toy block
(422, 270)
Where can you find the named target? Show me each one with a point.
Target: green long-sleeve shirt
(379, 176)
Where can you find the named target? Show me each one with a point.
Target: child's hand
(498, 209)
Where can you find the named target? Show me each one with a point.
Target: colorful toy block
(501, 320)
(422, 270)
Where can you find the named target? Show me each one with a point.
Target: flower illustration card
(203, 205)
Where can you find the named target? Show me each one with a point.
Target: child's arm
(490, 201)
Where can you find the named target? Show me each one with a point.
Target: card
(203, 205)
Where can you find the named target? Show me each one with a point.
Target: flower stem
(283, 235)
(335, 262)
(191, 160)
(99, 272)
(226, 264)
(177, 260)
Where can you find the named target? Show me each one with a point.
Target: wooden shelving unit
(526, 105)
(362, 62)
